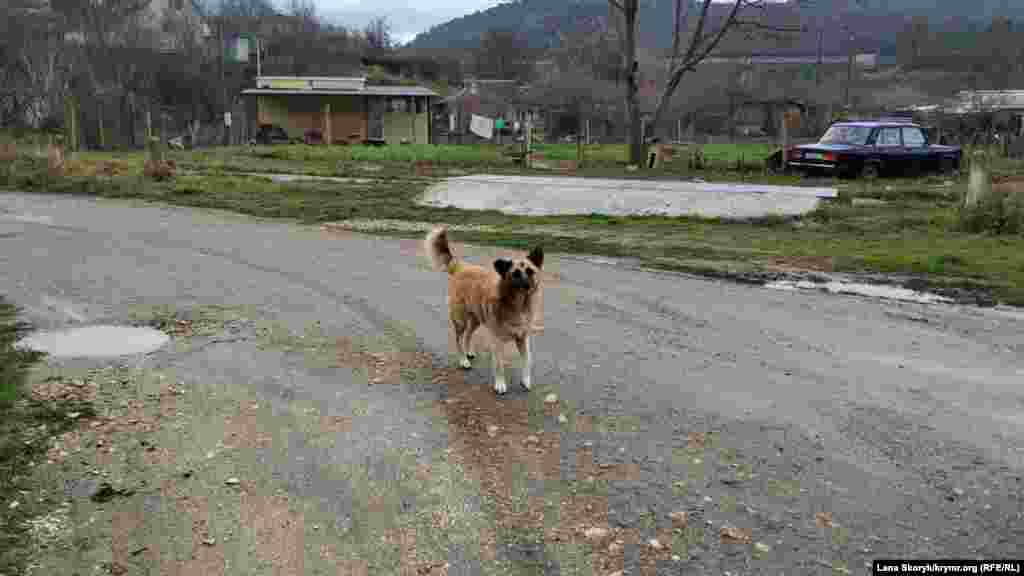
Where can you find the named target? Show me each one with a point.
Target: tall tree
(502, 54)
(695, 37)
(625, 13)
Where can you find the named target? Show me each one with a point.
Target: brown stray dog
(502, 299)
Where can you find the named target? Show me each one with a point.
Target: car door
(915, 145)
(889, 147)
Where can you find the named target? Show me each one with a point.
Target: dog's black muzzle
(520, 281)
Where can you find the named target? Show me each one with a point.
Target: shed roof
(366, 91)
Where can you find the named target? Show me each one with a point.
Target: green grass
(916, 231)
(466, 155)
(14, 362)
(25, 429)
(599, 159)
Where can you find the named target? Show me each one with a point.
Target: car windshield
(856, 135)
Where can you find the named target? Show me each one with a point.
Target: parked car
(270, 134)
(874, 148)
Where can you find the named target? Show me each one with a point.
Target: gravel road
(746, 430)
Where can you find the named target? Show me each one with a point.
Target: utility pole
(817, 73)
(226, 141)
(849, 72)
(817, 81)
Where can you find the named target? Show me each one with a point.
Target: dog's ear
(502, 266)
(536, 256)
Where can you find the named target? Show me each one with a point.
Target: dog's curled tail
(437, 249)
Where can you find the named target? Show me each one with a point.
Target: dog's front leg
(498, 361)
(523, 344)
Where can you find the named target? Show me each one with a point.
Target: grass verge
(908, 228)
(26, 426)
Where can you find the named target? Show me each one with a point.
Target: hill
(875, 23)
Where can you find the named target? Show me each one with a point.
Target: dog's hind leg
(460, 333)
(471, 327)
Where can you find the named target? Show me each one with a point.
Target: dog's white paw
(500, 387)
(527, 382)
(465, 363)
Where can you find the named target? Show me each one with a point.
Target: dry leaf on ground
(735, 535)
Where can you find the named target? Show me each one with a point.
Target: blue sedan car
(874, 148)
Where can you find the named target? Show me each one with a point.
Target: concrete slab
(541, 196)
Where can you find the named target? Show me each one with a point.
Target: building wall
(348, 118)
(298, 113)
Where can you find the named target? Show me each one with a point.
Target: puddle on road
(96, 341)
(872, 290)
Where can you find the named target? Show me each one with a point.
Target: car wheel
(870, 171)
(946, 166)
(775, 164)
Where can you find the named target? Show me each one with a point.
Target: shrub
(999, 212)
(160, 169)
(8, 152)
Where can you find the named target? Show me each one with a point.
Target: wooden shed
(343, 110)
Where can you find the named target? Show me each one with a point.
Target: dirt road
(307, 417)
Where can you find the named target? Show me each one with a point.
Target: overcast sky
(405, 20)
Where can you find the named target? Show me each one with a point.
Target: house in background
(495, 99)
(975, 114)
(1006, 107)
(344, 110)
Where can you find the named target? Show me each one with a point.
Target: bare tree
(304, 9)
(237, 8)
(580, 81)
(32, 62)
(626, 13)
(378, 34)
(914, 43)
(502, 54)
(695, 37)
